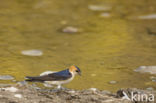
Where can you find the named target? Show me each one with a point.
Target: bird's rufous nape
(72, 68)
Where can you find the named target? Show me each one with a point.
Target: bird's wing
(62, 75)
(58, 76)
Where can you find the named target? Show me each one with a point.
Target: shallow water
(106, 49)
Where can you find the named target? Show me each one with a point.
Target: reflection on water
(106, 49)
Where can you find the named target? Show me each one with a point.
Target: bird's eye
(77, 71)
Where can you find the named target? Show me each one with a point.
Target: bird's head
(75, 70)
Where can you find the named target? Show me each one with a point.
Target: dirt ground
(30, 94)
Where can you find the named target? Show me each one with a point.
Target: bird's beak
(79, 73)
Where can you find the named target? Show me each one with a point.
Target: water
(106, 49)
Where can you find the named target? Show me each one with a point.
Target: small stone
(32, 52)
(47, 85)
(106, 92)
(6, 77)
(93, 89)
(153, 78)
(18, 95)
(22, 83)
(14, 80)
(100, 8)
(112, 82)
(71, 91)
(146, 69)
(10, 89)
(70, 29)
(35, 86)
(150, 88)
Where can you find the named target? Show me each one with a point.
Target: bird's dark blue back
(63, 73)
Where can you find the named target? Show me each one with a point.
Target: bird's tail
(32, 79)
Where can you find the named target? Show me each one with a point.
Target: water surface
(106, 49)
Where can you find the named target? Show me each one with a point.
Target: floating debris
(99, 7)
(18, 95)
(112, 82)
(6, 77)
(106, 15)
(32, 52)
(70, 29)
(151, 16)
(146, 69)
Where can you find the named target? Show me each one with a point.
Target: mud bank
(30, 94)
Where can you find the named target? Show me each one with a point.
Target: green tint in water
(106, 49)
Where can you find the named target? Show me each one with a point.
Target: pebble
(10, 89)
(70, 29)
(146, 69)
(47, 85)
(22, 83)
(150, 16)
(35, 86)
(71, 91)
(18, 95)
(33, 52)
(112, 82)
(6, 77)
(106, 92)
(93, 89)
(153, 78)
(99, 8)
(150, 88)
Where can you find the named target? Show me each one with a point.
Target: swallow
(57, 78)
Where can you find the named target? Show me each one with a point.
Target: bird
(56, 78)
